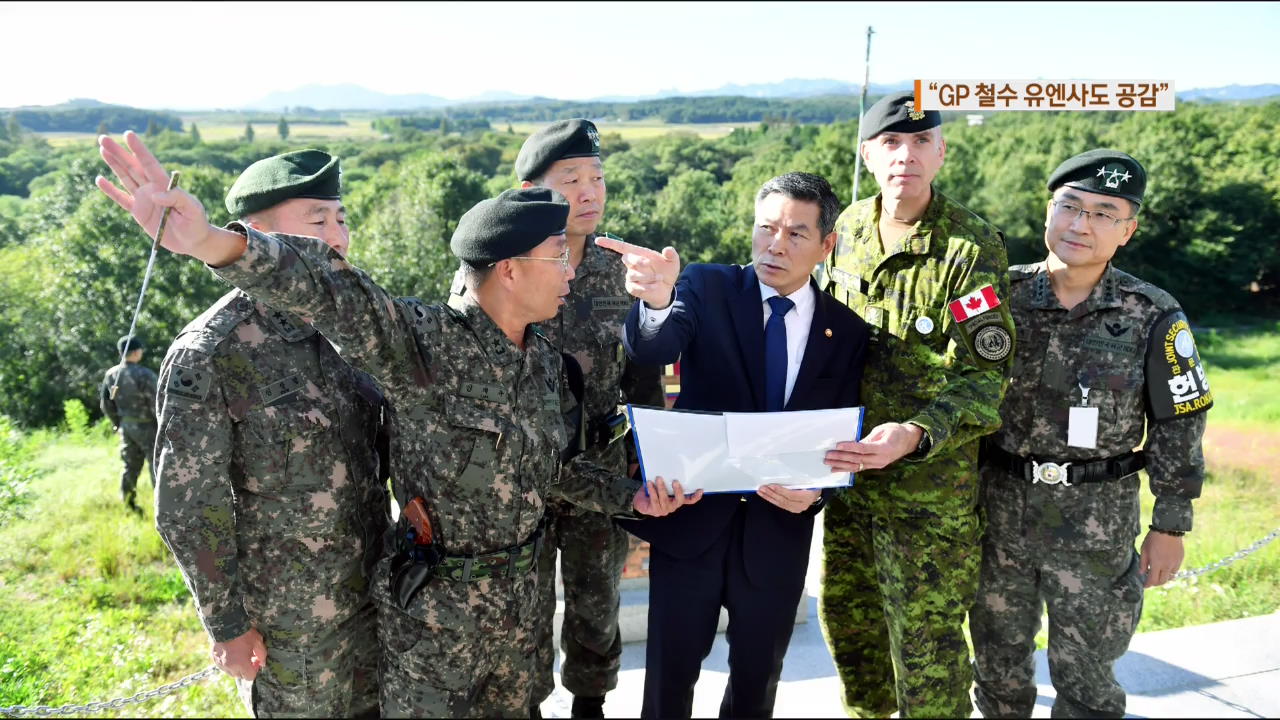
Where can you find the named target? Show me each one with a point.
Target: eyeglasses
(1098, 220)
(562, 258)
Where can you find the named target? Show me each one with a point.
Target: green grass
(91, 605)
(1243, 367)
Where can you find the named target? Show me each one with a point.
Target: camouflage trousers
(334, 674)
(467, 650)
(137, 443)
(895, 591)
(592, 552)
(1094, 601)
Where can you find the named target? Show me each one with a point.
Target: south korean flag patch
(1176, 383)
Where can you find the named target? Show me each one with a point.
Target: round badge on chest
(924, 324)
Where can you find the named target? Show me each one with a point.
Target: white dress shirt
(797, 322)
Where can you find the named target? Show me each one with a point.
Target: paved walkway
(1221, 670)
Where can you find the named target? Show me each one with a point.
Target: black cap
(897, 113)
(133, 342)
(557, 141)
(271, 181)
(1109, 172)
(511, 224)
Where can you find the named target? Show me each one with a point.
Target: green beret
(897, 113)
(557, 141)
(511, 224)
(1108, 172)
(271, 181)
(129, 343)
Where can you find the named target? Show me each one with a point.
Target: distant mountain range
(1231, 92)
(355, 97)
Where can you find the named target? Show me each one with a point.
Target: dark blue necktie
(775, 354)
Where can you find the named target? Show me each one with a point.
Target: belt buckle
(1049, 473)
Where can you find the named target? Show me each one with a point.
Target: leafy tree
(195, 134)
(14, 129)
(248, 132)
(282, 128)
(151, 128)
(403, 218)
(102, 128)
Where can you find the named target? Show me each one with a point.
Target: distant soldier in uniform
(902, 545)
(1102, 358)
(481, 427)
(127, 397)
(270, 496)
(565, 156)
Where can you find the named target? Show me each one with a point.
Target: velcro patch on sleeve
(1176, 382)
(190, 383)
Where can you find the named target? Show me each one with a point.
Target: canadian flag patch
(974, 303)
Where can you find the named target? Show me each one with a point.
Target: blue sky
(185, 55)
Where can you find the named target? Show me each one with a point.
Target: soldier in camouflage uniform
(127, 397)
(901, 547)
(481, 427)
(1102, 357)
(565, 156)
(270, 496)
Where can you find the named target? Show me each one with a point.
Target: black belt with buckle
(1049, 472)
(607, 430)
(513, 561)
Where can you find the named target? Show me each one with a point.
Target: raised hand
(143, 192)
(651, 275)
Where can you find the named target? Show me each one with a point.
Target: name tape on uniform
(1032, 95)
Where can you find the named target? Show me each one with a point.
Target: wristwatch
(925, 441)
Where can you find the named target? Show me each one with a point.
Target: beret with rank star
(897, 113)
(271, 181)
(511, 224)
(1109, 172)
(558, 141)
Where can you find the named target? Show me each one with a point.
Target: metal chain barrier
(98, 707)
(1238, 555)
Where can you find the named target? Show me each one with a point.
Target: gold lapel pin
(828, 332)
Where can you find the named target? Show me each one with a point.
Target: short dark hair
(806, 187)
(473, 277)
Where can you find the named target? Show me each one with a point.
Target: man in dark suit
(749, 339)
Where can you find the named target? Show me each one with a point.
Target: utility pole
(862, 101)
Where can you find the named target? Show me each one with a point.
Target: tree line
(74, 262)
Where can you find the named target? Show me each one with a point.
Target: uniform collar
(1106, 294)
(495, 343)
(286, 324)
(917, 241)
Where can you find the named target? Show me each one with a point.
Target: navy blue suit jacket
(716, 330)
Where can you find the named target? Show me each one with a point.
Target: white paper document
(739, 452)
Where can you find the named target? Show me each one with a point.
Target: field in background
(213, 129)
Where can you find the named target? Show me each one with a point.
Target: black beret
(271, 181)
(511, 224)
(557, 141)
(1108, 172)
(132, 341)
(897, 113)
